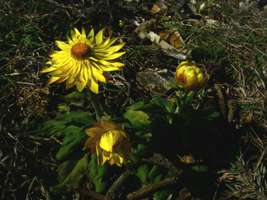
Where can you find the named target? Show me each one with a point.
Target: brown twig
(110, 195)
(160, 160)
(88, 194)
(221, 100)
(232, 109)
(152, 188)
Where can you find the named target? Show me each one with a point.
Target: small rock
(154, 80)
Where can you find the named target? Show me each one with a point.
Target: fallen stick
(92, 195)
(110, 195)
(152, 188)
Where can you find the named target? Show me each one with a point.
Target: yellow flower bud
(110, 143)
(190, 76)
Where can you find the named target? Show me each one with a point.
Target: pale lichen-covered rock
(156, 81)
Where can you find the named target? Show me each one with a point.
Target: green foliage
(75, 99)
(138, 119)
(77, 118)
(138, 151)
(71, 172)
(137, 105)
(162, 195)
(64, 169)
(69, 126)
(215, 53)
(168, 105)
(56, 126)
(142, 172)
(176, 105)
(200, 168)
(149, 174)
(74, 137)
(63, 108)
(97, 174)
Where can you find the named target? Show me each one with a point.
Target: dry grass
(235, 52)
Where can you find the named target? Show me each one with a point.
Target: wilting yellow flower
(82, 60)
(109, 142)
(190, 76)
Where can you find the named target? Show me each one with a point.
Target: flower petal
(116, 159)
(82, 81)
(94, 86)
(62, 45)
(94, 131)
(106, 44)
(99, 75)
(114, 56)
(70, 82)
(115, 48)
(99, 37)
(91, 35)
(49, 69)
(53, 79)
(110, 139)
(111, 64)
(83, 35)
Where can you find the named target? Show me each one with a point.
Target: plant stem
(96, 105)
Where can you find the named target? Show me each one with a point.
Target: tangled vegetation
(166, 100)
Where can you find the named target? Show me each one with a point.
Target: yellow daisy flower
(82, 60)
(109, 142)
(190, 76)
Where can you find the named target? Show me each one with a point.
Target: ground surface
(228, 38)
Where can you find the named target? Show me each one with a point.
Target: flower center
(80, 50)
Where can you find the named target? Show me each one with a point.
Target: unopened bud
(190, 76)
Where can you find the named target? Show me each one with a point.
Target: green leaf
(76, 174)
(157, 178)
(167, 105)
(79, 118)
(57, 126)
(74, 95)
(53, 127)
(200, 168)
(142, 173)
(75, 99)
(212, 116)
(149, 174)
(154, 171)
(136, 106)
(63, 108)
(161, 195)
(189, 97)
(74, 136)
(138, 152)
(138, 119)
(97, 174)
(64, 169)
